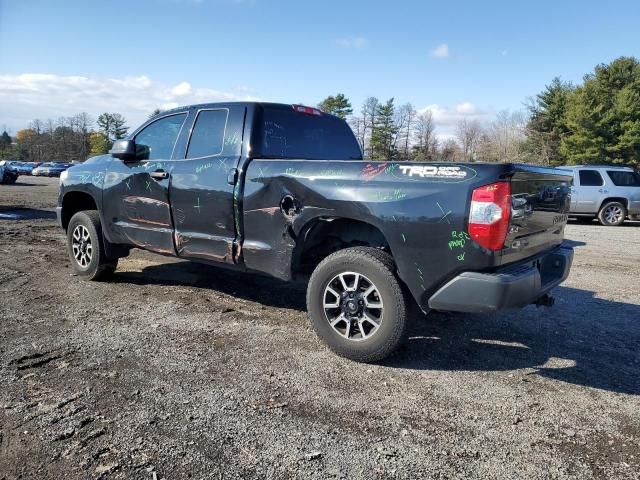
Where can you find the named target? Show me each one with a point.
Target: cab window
(156, 140)
(590, 178)
(207, 136)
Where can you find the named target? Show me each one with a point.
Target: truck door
(589, 191)
(202, 185)
(136, 195)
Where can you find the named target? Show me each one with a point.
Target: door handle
(159, 174)
(602, 190)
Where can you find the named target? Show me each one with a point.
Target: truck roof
(232, 103)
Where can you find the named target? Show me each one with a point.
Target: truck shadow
(582, 340)
(253, 287)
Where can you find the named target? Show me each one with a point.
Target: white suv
(609, 193)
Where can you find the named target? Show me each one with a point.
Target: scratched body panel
(422, 219)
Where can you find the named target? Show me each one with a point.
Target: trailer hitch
(545, 300)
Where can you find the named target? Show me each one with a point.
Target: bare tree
(504, 137)
(468, 133)
(426, 143)
(369, 109)
(450, 150)
(405, 122)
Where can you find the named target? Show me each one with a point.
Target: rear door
(202, 185)
(589, 191)
(136, 195)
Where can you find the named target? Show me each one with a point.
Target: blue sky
(463, 58)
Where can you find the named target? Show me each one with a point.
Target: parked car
(51, 169)
(8, 174)
(610, 194)
(25, 168)
(283, 190)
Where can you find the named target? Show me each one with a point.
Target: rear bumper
(516, 286)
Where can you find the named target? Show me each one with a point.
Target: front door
(202, 185)
(136, 196)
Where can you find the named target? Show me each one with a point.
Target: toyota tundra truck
(283, 190)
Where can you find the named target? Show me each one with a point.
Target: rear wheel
(86, 247)
(356, 304)
(612, 214)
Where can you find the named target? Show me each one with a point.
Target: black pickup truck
(283, 190)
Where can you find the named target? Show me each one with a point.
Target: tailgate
(540, 200)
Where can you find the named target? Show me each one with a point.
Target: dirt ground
(176, 370)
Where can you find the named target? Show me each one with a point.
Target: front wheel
(356, 304)
(86, 247)
(612, 214)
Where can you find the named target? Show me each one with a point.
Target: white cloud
(181, 89)
(353, 42)
(447, 118)
(504, 53)
(37, 95)
(441, 51)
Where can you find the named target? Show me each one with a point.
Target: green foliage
(112, 126)
(7, 151)
(5, 140)
(384, 131)
(547, 124)
(98, 143)
(603, 116)
(338, 105)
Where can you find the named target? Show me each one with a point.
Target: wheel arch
(622, 200)
(74, 202)
(321, 236)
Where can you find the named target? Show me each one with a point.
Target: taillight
(489, 215)
(307, 110)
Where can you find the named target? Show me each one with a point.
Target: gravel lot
(176, 370)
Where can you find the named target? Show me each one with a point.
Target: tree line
(66, 139)
(597, 121)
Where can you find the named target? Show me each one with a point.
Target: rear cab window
(286, 133)
(624, 178)
(590, 178)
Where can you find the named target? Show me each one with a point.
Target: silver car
(610, 194)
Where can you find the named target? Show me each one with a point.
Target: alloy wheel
(353, 306)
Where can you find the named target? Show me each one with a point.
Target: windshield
(286, 133)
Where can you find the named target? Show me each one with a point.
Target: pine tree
(603, 116)
(5, 140)
(112, 126)
(384, 131)
(547, 125)
(338, 105)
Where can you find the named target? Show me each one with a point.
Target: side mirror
(124, 150)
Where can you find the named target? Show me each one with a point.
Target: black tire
(378, 269)
(93, 264)
(586, 220)
(612, 214)
(9, 179)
